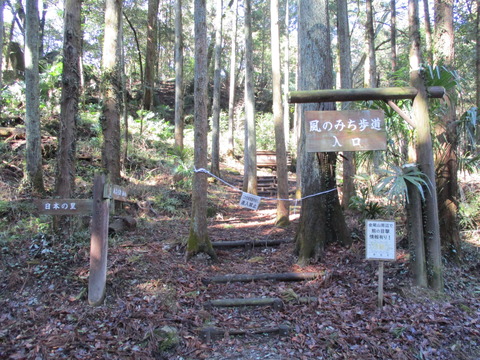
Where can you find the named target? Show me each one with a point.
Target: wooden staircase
(260, 314)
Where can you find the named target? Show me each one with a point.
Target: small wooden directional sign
(64, 206)
(98, 209)
(115, 192)
(348, 130)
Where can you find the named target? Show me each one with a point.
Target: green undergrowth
(156, 174)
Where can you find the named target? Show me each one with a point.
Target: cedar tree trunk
(250, 158)
(317, 224)
(198, 240)
(281, 152)
(111, 79)
(33, 151)
(215, 163)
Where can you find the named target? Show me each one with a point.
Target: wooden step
(267, 179)
(276, 302)
(265, 276)
(212, 333)
(267, 194)
(267, 187)
(249, 243)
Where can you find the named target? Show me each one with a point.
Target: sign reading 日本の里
(64, 206)
(350, 130)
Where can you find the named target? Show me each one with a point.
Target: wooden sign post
(98, 243)
(380, 245)
(98, 208)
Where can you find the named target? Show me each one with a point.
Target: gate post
(415, 232)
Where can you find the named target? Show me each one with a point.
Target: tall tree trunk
(281, 153)
(198, 240)
(9, 41)
(444, 33)
(371, 67)
(297, 139)
(349, 168)
(232, 84)
(262, 78)
(477, 78)
(20, 17)
(447, 182)
(425, 152)
(151, 53)
(393, 35)
(137, 43)
(42, 28)
(72, 48)
(32, 96)
(215, 164)
(2, 40)
(428, 32)
(286, 75)
(317, 224)
(111, 91)
(371, 63)
(124, 92)
(82, 95)
(250, 158)
(210, 53)
(179, 124)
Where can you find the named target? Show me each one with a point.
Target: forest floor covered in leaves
(155, 301)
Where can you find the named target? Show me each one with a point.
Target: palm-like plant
(468, 127)
(443, 76)
(395, 181)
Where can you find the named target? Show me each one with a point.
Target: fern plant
(368, 209)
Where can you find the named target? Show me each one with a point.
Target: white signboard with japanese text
(350, 130)
(250, 201)
(380, 241)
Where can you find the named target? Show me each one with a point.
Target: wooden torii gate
(388, 94)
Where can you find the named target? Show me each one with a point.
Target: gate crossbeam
(363, 94)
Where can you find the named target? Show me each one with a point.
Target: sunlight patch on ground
(154, 291)
(265, 217)
(472, 237)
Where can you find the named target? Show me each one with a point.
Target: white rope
(202, 170)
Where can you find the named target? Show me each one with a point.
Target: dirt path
(44, 314)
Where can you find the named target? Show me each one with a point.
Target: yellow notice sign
(380, 240)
